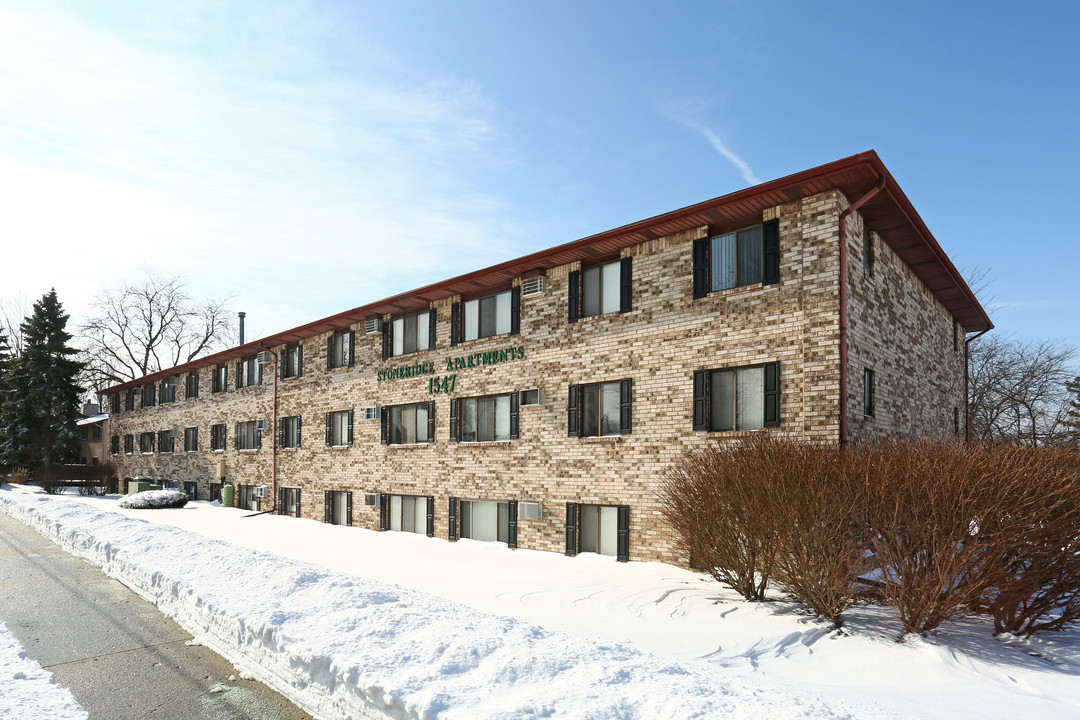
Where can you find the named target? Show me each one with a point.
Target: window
(289, 432)
(292, 361)
(339, 349)
(746, 398)
(191, 439)
(149, 395)
(217, 437)
(191, 489)
(165, 441)
(191, 385)
(146, 442)
(601, 289)
(339, 428)
(338, 507)
(484, 419)
(409, 513)
(289, 502)
(115, 402)
(602, 529)
(114, 445)
(248, 373)
(129, 401)
(95, 433)
(733, 259)
(486, 317)
(168, 389)
(84, 433)
(599, 409)
(485, 520)
(245, 498)
(409, 424)
(247, 436)
(409, 334)
(867, 254)
(219, 381)
(129, 444)
(868, 392)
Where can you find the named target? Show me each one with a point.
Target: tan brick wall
(659, 344)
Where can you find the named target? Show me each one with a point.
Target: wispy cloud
(1022, 304)
(718, 145)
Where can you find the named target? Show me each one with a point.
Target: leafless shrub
(1036, 541)
(714, 499)
(19, 476)
(821, 545)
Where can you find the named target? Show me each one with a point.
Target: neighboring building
(93, 435)
(539, 401)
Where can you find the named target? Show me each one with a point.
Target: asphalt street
(119, 656)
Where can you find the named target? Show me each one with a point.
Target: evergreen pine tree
(41, 403)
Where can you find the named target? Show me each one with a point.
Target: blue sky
(311, 157)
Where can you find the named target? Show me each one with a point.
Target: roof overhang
(889, 213)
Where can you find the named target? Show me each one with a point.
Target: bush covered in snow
(154, 499)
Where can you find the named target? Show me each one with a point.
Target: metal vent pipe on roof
(242, 314)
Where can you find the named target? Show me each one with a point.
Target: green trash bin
(227, 495)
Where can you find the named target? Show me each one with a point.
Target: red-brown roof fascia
(853, 176)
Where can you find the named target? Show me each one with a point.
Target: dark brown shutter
(701, 400)
(258, 373)
(352, 347)
(283, 361)
(299, 360)
(455, 323)
(281, 501)
(622, 542)
(511, 531)
(431, 421)
(772, 394)
(626, 285)
(239, 372)
(348, 508)
(236, 436)
(384, 434)
(431, 329)
(573, 300)
(297, 431)
(329, 430)
(384, 511)
(770, 252)
(386, 328)
(350, 427)
(514, 413)
(455, 409)
(431, 516)
(515, 311)
(571, 529)
(625, 402)
(701, 267)
(330, 352)
(258, 439)
(451, 525)
(572, 411)
(281, 432)
(326, 506)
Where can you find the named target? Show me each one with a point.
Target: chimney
(242, 314)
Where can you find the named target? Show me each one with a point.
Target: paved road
(119, 656)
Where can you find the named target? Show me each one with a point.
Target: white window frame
(496, 311)
(420, 323)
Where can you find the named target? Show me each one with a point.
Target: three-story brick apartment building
(539, 401)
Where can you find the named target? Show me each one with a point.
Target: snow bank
(342, 646)
(28, 691)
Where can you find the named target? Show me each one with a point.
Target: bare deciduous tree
(148, 326)
(1018, 389)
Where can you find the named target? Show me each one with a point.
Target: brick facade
(897, 327)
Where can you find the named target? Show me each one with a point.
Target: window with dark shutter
(772, 394)
(348, 508)
(571, 529)
(701, 267)
(515, 311)
(451, 525)
(626, 286)
(625, 400)
(734, 259)
(770, 252)
(742, 398)
(574, 298)
(572, 411)
(455, 323)
(701, 399)
(431, 516)
(384, 511)
(511, 533)
(622, 553)
(514, 413)
(350, 439)
(329, 430)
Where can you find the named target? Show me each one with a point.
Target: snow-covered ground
(28, 691)
(353, 623)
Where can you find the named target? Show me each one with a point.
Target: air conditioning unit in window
(372, 326)
(532, 286)
(262, 357)
(371, 413)
(261, 424)
(371, 499)
(260, 491)
(530, 511)
(533, 396)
